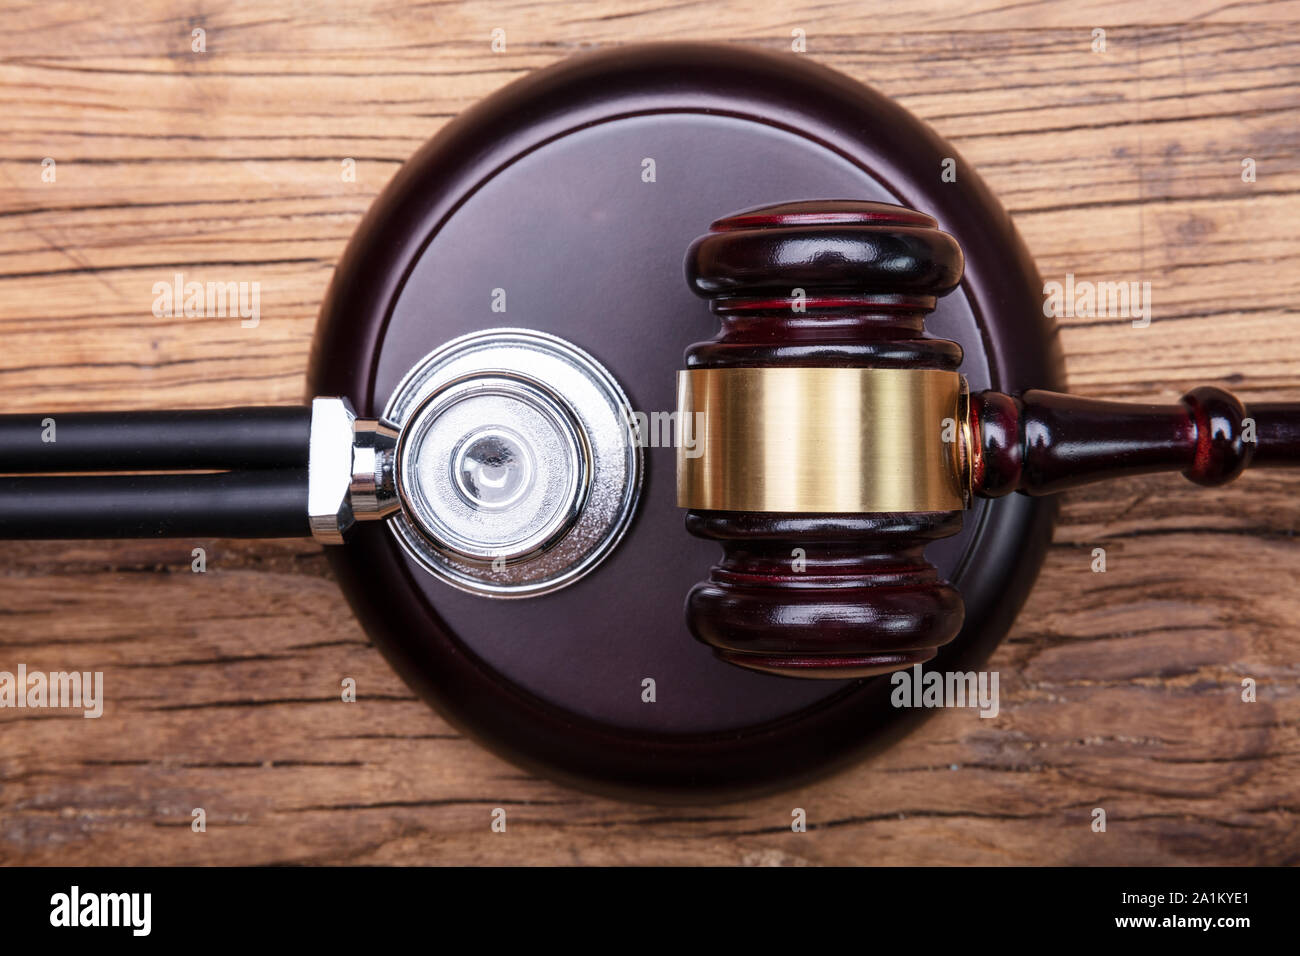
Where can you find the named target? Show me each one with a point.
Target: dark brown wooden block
(540, 191)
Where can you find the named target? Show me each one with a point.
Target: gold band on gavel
(820, 439)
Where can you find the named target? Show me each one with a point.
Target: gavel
(833, 439)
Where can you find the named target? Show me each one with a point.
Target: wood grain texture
(1119, 690)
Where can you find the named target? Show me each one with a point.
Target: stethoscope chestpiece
(516, 466)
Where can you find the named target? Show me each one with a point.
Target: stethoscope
(506, 463)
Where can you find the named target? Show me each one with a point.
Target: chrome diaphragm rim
(545, 392)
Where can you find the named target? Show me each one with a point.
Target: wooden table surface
(1120, 690)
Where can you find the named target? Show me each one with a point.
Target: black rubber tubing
(240, 504)
(274, 436)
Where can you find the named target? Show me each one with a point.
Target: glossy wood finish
(824, 595)
(556, 685)
(824, 283)
(1277, 434)
(843, 283)
(1043, 442)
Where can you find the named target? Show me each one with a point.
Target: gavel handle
(1042, 442)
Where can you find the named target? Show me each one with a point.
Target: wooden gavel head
(800, 406)
(833, 439)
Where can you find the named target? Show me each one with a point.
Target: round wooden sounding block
(577, 191)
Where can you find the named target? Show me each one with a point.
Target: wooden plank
(1119, 690)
